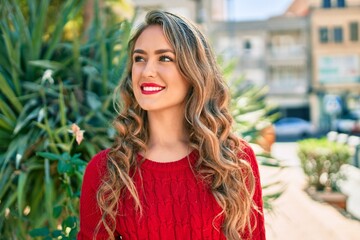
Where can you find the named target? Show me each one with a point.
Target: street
(296, 216)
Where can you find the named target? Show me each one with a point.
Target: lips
(151, 88)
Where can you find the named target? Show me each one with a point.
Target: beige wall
(184, 8)
(318, 3)
(330, 19)
(210, 8)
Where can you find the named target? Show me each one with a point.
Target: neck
(168, 137)
(167, 129)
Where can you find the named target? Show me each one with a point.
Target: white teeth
(151, 89)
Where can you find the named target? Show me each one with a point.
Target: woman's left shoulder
(245, 150)
(247, 153)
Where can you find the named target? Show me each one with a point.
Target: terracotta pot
(335, 199)
(267, 138)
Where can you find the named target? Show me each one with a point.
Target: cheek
(184, 88)
(134, 75)
(133, 72)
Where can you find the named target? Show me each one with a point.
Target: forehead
(152, 37)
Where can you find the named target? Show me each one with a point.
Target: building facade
(288, 65)
(271, 52)
(335, 56)
(245, 43)
(306, 56)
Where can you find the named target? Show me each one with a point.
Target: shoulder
(98, 161)
(247, 153)
(96, 168)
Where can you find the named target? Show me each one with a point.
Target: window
(341, 3)
(323, 35)
(333, 3)
(338, 34)
(326, 3)
(354, 31)
(247, 45)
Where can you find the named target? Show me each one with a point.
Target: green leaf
(21, 192)
(78, 162)
(65, 156)
(49, 194)
(47, 64)
(6, 124)
(10, 199)
(62, 112)
(38, 30)
(7, 111)
(9, 93)
(70, 222)
(5, 186)
(13, 51)
(50, 156)
(57, 211)
(28, 117)
(39, 232)
(64, 167)
(57, 233)
(73, 233)
(93, 100)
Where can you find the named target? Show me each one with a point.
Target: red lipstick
(151, 88)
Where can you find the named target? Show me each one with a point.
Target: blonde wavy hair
(207, 118)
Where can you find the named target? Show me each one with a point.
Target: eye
(138, 59)
(165, 58)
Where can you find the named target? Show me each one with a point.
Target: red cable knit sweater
(176, 204)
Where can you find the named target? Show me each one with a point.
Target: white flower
(47, 76)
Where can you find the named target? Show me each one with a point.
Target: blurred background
(293, 67)
(306, 52)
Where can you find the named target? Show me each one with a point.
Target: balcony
(283, 54)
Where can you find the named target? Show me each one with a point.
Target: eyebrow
(159, 51)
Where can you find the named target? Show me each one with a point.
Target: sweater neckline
(182, 163)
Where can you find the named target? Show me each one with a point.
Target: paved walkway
(296, 216)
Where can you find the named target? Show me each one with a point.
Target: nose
(150, 69)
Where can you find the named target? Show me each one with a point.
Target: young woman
(175, 171)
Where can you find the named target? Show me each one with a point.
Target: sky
(259, 9)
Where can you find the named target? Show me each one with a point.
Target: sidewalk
(296, 216)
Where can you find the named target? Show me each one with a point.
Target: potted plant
(321, 161)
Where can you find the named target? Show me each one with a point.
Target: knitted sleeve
(90, 214)
(257, 218)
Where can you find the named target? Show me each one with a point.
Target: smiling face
(157, 82)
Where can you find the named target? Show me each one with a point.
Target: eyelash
(137, 58)
(161, 58)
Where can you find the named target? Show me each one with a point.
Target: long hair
(207, 118)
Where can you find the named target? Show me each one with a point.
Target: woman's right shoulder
(98, 164)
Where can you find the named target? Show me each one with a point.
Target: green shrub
(321, 161)
(47, 83)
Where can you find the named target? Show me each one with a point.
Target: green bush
(321, 161)
(49, 82)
